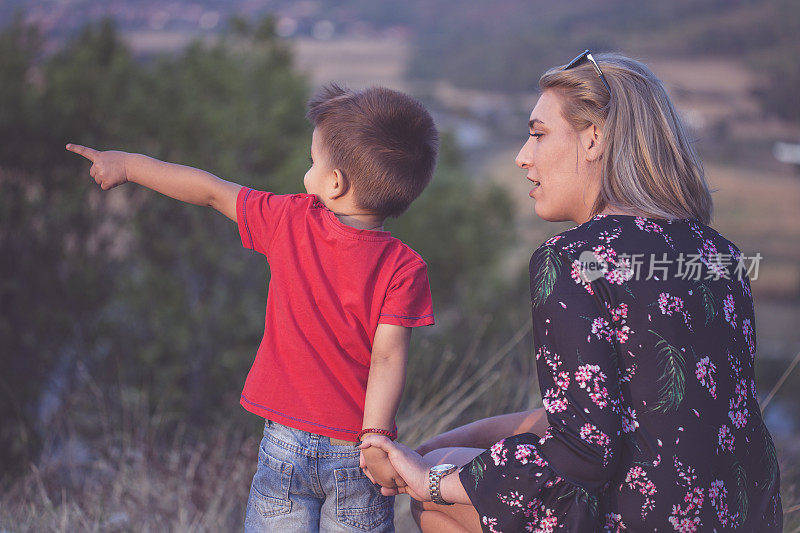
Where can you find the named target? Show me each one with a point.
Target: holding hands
(409, 465)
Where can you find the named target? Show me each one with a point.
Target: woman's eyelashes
(311, 160)
(537, 135)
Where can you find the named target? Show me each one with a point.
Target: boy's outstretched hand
(108, 168)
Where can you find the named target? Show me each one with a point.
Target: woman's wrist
(452, 490)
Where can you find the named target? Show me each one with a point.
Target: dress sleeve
(525, 481)
(408, 299)
(258, 215)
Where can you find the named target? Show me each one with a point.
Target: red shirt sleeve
(408, 300)
(258, 215)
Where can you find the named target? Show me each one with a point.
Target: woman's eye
(311, 160)
(537, 135)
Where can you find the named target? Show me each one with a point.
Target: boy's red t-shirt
(330, 287)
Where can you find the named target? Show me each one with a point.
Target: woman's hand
(375, 462)
(411, 466)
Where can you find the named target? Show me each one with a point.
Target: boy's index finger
(89, 153)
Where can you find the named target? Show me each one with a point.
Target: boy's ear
(592, 140)
(338, 184)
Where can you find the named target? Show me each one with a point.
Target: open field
(133, 479)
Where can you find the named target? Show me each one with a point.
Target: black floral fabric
(644, 337)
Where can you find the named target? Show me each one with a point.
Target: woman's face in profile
(564, 185)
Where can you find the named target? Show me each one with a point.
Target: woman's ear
(592, 142)
(338, 184)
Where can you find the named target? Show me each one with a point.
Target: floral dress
(644, 341)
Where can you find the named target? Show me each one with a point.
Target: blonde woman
(643, 336)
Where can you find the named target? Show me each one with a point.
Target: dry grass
(137, 481)
(142, 475)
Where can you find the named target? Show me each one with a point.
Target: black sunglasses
(583, 58)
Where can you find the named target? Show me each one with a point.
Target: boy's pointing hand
(108, 168)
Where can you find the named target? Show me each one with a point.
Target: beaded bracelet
(385, 432)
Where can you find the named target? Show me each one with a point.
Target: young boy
(343, 297)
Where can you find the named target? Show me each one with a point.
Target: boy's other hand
(108, 168)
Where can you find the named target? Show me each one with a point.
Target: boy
(343, 297)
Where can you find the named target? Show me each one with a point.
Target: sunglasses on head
(583, 58)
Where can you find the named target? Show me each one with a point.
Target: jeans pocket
(359, 504)
(269, 493)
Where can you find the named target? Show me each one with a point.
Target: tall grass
(141, 473)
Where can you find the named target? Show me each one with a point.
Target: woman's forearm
(485, 432)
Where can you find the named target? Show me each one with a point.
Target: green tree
(55, 272)
(152, 299)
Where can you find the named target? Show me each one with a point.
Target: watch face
(442, 468)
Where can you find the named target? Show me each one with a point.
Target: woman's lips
(536, 185)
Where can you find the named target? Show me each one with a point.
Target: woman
(643, 334)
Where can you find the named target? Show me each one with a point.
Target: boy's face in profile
(317, 178)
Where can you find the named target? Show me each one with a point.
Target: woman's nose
(522, 160)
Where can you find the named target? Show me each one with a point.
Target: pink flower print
(738, 411)
(628, 373)
(739, 417)
(490, 523)
(591, 379)
(562, 380)
(652, 227)
(526, 453)
(554, 401)
(499, 453)
(602, 329)
(670, 305)
(629, 422)
(747, 329)
(513, 499)
(532, 508)
(579, 276)
(608, 236)
(725, 438)
(637, 479)
(619, 317)
(687, 520)
(552, 240)
(712, 259)
(718, 495)
(729, 308)
(614, 523)
(592, 435)
(736, 364)
(617, 270)
(553, 360)
(544, 524)
(687, 474)
(605, 253)
(735, 254)
(705, 374)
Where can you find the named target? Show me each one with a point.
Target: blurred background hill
(128, 322)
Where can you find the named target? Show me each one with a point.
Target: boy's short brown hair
(383, 141)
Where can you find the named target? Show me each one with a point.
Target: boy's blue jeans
(305, 483)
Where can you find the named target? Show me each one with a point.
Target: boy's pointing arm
(112, 168)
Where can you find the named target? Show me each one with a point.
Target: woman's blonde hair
(649, 164)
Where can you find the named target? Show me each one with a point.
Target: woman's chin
(548, 215)
(542, 212)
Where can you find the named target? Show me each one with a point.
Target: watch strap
(435, 483)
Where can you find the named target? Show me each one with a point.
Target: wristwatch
(435, 476)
